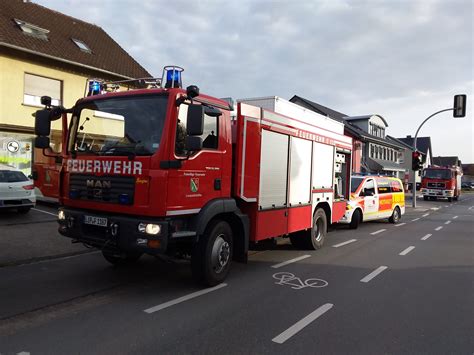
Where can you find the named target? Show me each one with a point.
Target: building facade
(43, 52)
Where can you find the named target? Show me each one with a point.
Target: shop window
(36, 86)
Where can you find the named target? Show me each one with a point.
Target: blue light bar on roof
(173, 76)
(95, 88)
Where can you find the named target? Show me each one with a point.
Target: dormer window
(82, 46)
(32, 30)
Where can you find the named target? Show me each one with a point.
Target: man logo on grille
(194, 185)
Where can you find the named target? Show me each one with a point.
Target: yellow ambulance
(374, 198)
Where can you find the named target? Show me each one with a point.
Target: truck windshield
(118, 125)
(437, 173)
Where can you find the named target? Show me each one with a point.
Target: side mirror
(195, 120)
(42, 123)
(193, 144)
(42, 142)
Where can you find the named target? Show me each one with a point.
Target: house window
(32, 30)
(372, 152)
(37, 86)
(83, 47)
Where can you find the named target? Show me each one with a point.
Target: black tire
(121, 260)
(24, 209)
(212, 255)
(425, 198)
(356, 219)
(396, 215)
(456, 198)
(298, 239)
(314, 238)
(450, 199)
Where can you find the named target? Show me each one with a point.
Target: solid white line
(407, 250)
(341, 244)
(374, 273)
(438, 228)
(183, 299)
(52, 214)
(426, 236)
(425, 215)
(290, 261)
(399, 224)
(414, 220)
(377, 232)
(455, 217)
(447, 222)
(295, 328)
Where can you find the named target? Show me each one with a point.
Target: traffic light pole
(413, 186)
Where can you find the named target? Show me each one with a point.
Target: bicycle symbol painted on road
(296, 283)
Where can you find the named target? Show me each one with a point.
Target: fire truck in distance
(441, 182)
(163, 170)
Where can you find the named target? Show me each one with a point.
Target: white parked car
(16, 190)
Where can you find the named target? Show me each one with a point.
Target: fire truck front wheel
(119, 260)
(212, 255)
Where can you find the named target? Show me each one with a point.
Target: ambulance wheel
(120, 260)
(450, 199)
(425, 198)
(212, 255)
(396, 215)
(456, 198)
(356, 219)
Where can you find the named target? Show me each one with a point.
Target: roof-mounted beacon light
(95, 87)
(172, 76)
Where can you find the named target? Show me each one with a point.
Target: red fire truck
(441, 182)
(168, 170)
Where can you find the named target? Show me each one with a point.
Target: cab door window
(369, 188)
(210, 136)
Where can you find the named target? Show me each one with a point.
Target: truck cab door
(199, 177)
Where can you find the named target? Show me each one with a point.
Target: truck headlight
(149, 228)
(61, 215)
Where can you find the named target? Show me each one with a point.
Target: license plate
(95, 221)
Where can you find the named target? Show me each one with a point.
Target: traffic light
(459, 106)
(416, 161)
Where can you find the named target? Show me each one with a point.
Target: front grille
(436, 185)
(107, 189)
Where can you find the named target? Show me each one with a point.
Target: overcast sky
(403, 60)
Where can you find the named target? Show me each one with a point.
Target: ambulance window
(369, 188)
(383, 186)
(396, 186)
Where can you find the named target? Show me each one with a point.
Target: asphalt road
(382, 289)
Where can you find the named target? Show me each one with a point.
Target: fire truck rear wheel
(212, 255)
(319, 230)
(119, 260)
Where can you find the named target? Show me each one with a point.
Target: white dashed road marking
(414, 220)
(374, 273)
(425, 215)
(447, 222)
(182, 299)
(290, 261)
(438, 228)
(377, 232)
(407, 250)
(295, 328)
(399, 224)
(426, 236)
(345, 243)
(455, 217)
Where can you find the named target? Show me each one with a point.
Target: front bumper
(14, 203)
(437, 193)
(347, 218)
(120, 234)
